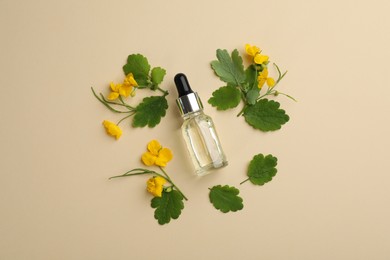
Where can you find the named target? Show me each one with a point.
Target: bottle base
(210, 167)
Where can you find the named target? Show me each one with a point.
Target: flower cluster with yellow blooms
(262, 62)
(167, 197)
(156, 155)
(125, 89)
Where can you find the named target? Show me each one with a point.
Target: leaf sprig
(246, 85)
(168, 199)
(139, 75)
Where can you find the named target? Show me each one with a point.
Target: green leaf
(265, 115)
(252, 95)
(150, 111)
(168, 206)
(251, 76)
(229, 69)
(225, 98)
(253, 91)
(262, 169)
(225, 198)
(158, 75)
(139, 66)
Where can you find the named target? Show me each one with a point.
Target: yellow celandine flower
(115, 88)
(255, 52)
(130, 81)
(260, 59)
(156, 155)
(263, 78)
(252, 50)
(112, 129)
(125, 89)
(155, 185)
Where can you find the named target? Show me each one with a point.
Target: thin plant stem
(163, 91)
(106, 103)
(173, 184)
(125, 118)
(244, 181)
(284, 94)
(133, 173)
(125, 104)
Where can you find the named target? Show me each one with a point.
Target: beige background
(330, 198)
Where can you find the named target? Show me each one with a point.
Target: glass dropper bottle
(198, 130)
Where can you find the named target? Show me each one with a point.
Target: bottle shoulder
(196, 116)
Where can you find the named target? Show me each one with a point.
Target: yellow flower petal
(154, 186)
(129, 80)
(114, 87)
(251, 50)
(125, 90)
(154, 147)
(260, 83)
(158, 191)
(164, 156)
(113, 96)
(260, 59)
(112, 129)
(148, 159)
(160, 180)
(270, 82)
(263, 74)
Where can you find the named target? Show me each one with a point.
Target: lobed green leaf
(262, 169)
(225, 198)
(139, 66)
(150, 111)
(225, 98)
(229, 69)
(168, 206)
(265, 115)
(158, 74)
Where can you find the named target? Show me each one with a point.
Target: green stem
(269, 92)
(105, 103)
(125, 104)
(173, 184)
(244, 181)
(125, 118)
(163, 91)
(280, 73)
(134, 172)
(242, 110)
(284, 94)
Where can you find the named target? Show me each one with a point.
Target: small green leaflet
(265, 115)
(261, 169)
(252, 95)
(139, 66)
(225, 98)
(168, 206)
(150, 111)
(229, 69)
(253, 92)
(158, 74)
(225, 198)
(251, 76)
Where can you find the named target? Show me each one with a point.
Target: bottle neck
(192, 114)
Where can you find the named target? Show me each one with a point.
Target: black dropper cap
(182, 85)
(188, 100)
